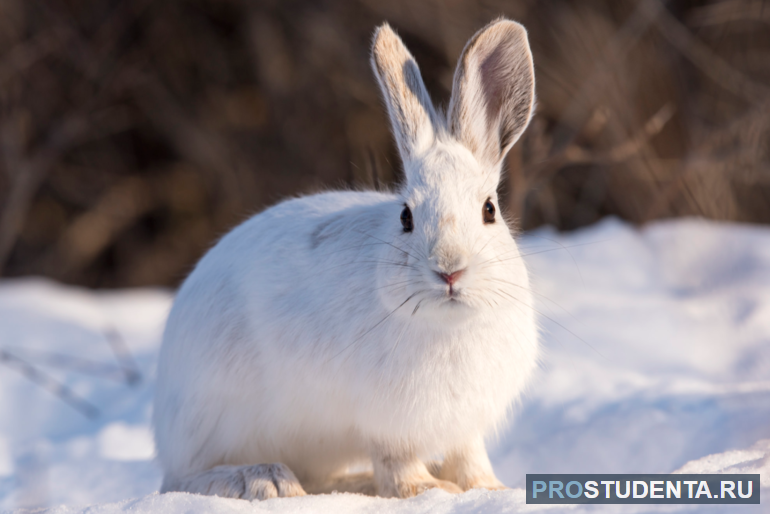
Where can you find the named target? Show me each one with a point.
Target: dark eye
(406, 219)
(489, 211)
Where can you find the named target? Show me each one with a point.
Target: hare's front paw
(468, 466)
(263, 481)
(402, 476)
(257, 482)
(409, 489)
(482, 482)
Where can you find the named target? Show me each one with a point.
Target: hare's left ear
(493, 92)
(412, 116)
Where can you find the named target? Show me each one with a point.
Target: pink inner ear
(493, 84)
(507, 98)
(494, 81)
(507, 87)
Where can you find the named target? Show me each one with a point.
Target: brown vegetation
(134, 133)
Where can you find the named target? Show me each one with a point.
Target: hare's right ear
(410, 109)
(493, 91)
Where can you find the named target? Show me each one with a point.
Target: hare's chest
(443, 392)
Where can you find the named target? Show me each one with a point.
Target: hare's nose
(451, 278)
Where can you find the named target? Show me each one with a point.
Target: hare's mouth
(445, 309)
(454, 298)
(456, 307)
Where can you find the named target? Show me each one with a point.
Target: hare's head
(454, 249)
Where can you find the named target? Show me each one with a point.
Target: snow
(657, 360)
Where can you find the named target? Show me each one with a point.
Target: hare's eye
(489, 211)
(406, 219)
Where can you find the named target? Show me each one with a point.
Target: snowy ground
(658, 359)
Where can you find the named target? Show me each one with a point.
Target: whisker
(520, 329)
(362, 245)
(403, 282)
(497, 257)
(536, 253)
(377, 324)
(542, 251)
(566, 248)
(482, 248)
(390, 244)
(400, 264)
(530, 290)
(347, 264)
(420, 252)
(552, 321)
(368, 292)
(398, 339)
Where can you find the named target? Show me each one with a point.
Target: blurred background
(135, 133)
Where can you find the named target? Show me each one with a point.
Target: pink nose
(451, 278)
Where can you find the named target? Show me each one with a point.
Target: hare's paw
(404, 476)
(257, 482)
(408, 489)
(468, 466)
(263, 481)
(482, 482)
(464, 482)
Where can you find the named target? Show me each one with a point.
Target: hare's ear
(493, 91)
(411, 111)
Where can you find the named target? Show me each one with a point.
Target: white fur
(318, 334)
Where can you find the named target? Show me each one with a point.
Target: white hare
(348, 328)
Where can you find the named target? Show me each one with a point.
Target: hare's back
(282, 250)
(306, 227)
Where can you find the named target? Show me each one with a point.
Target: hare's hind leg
(404, 475)
(360, 483)
(256, 482)
(469, 468)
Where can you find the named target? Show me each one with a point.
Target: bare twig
(626, 150)
(716, 68)
(574, 154)
(207, 148)
(593, 86)
(25, 54)
(123, 355)
(72, 363)
(27, 174)
(48, 383)
(88, 235)
(728, 11)
(701, 162)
